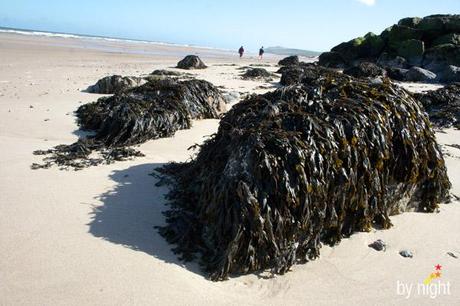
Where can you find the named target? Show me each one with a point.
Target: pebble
(406, 253)
(378, 245)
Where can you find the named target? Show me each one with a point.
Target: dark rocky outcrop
(365, 70)
(154, 110)
(115, 83)
(301, 166)
(431, 43)
(191, 62)
(289, 61)
(443, 105)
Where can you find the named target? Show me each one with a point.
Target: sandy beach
(87, 237)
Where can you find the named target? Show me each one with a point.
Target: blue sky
(315, 25)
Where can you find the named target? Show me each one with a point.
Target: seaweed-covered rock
(191, 62)
(442, 105)
(154, 110)
(300, 166)
(115, 83)
(365, 70)
(289, 61)
(417, 74)
(257, 74)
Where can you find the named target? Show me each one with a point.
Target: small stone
(406, 253)
(31, 106)
(452, 255)
(378, 245)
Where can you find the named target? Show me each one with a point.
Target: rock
(364, 70)
(431, 43)
(410, 22)
(289, 61)
(386, 60)
(300, 166)
(362, 47)
(191, 62)
(442, 55)
(163, 72)
(115, 83)
(432, 25)
(406, 253)
(451, 38)
(399, 34)
(450, 74)
(231, 96)
(332, 60)
(397, 74)
(442, 105)
(154, 110)
(417, 74)
(257, 74)
(412, 50)
(378, 245)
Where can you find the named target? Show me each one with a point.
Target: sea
(118, 45)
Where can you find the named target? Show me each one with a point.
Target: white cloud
(367, 2)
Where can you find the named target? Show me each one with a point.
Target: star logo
(433, 275)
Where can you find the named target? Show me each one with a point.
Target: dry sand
(87, 237)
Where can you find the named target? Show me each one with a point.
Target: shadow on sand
(131, 210)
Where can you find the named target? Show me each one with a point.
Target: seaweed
(156, 109)
(442, 105)
(309, 73)
(300, 166)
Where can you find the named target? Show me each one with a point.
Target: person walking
(241, 51)
(261, 52)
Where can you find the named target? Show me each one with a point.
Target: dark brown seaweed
(301, 166)
(156, 109)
